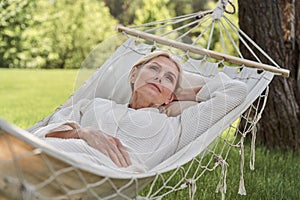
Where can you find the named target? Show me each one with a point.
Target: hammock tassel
(252, 155)
(242, 190)
(222, 187)
(191, 183)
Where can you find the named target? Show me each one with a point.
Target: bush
(55, 34)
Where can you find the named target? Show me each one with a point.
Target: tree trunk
(275, 26)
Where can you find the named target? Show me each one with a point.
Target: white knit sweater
(150, 136)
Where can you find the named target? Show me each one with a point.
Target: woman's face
(156, 80)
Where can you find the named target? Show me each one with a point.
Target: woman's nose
(157, 78)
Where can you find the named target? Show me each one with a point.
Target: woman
(138, 134)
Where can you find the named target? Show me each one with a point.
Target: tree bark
(275, 26)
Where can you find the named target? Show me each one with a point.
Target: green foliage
(69, 32)
(153, 10)
(123, 10)
(15, 17)
(58, 35)
(183, 7)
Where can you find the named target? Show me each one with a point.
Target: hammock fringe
(59, 176)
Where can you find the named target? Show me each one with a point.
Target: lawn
(30, 95)
(27, 96)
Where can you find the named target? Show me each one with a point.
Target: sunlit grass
(27, 96)
(276, 176)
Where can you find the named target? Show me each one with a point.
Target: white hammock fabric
(127, 53)
(32, 169)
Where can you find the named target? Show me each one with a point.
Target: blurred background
(59, 34)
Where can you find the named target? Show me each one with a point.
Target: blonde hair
(150, 57)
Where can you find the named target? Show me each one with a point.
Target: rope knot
(221, 8)
(191, 183)
(222, 186)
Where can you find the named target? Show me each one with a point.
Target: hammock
(30, 168)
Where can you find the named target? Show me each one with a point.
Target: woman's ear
(133, 75)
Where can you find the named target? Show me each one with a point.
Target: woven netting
(32, 169)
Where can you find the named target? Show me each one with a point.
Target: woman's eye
(153, 67)
(170, 78)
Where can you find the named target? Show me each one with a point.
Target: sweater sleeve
(64, 119)
(217, 98)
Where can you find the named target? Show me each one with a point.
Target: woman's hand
(108, 145)
(187, 94)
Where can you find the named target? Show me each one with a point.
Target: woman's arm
(108, 145)
(64, 119)
(217, 98)
(64, 134)
(187, 94)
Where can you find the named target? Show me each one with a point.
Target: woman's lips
(156, 86)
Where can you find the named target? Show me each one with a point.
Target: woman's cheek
(167, 91)
(170, 87)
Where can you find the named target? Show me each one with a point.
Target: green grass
(276, 176)
(26, 96)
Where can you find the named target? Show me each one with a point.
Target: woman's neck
(137, 102)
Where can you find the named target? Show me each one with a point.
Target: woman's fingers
(111, 147)
(108, 145)
(123, 152)
(114, 157)
(118, 154)
(117, 157)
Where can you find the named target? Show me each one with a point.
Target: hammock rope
(59, 176)
(204, 20)
(189, 176)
